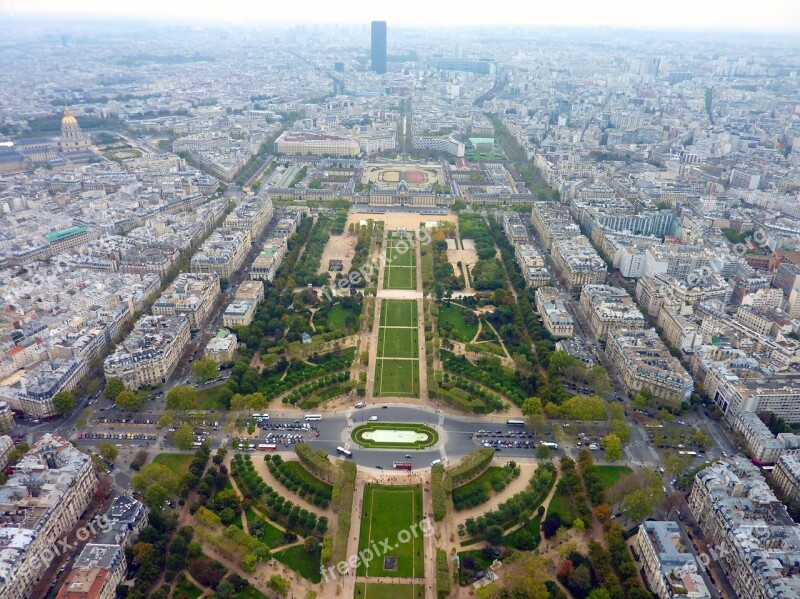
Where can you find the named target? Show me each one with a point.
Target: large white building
(318, 144)
(149, 355)
(41, 502)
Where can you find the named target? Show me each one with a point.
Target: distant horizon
(771, 16)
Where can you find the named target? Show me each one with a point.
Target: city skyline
(773, 15)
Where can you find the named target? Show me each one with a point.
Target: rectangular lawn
(400, 277)
(398, 343)
(403, 254)
(177, 462)
(301, 561)
(610, 475)
(397, 377)
(399, 313)
(391, 513)
(374, 590)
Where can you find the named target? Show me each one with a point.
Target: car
(408, 455)
(384, 407)
(379, 467)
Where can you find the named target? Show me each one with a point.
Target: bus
(516, 423)
(313, 417)
(402, 465)
(549, 445)
(261, 416)
(345, 452)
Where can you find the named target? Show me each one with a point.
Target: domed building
(72, 138)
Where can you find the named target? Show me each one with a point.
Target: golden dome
(68, 118)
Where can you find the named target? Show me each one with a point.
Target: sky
(764, 15)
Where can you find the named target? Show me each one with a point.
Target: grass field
(271, 535)
(297, 469)
(401, 255)
(399, 313)
(337, 315)
(560, 504)
(301, 561)
(398, 343)
(390, 513)
(522, 541)
(610, 475)
(397, 377)
(374, 590)
(209, 399)
(177, 462)
(400, 277)
(453, 316)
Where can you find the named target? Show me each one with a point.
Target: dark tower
(379, 46)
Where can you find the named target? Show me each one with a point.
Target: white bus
(549, 445)
(515, 423)
(345, 452)
(261, 416)
(313, 416)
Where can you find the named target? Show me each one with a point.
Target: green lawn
(610, 475)
(209, 398)
(374, 590)
(177, 462)
(400, 277)
(187, 587)
(397, 377)
(454, 317)
(401, 256)
(271, 536)
(561, 505)
(337, 315)
(392, 513)
(398, 343)
(399, 313)
(519, 539)
(301, 561)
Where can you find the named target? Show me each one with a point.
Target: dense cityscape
(369, 310)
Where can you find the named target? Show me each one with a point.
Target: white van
(361, 404)
(373, 418)
(434, 462)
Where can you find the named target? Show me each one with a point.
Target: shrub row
(315, 461)
(439, 489)
(479, 490)
(442, 574)
(470, 466)
(308, 389)
(320, 492)
(489, 374)
(344, 489)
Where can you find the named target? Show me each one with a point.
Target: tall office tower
(379, 46)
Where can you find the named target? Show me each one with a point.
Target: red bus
(402, 465)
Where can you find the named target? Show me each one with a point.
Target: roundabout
(393, 435)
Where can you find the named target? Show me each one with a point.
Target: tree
(603, 512)
(143, 553)
(165, 420)
(599, 594)
(525, 576)
(225, 590)
(205, 369)
(279, 584)
(675, 463)
(113, 388)
(63, 402)
(155, 496)
(180, 398)
(153, 474)
(550, 525)
(184, 436)
(665, 415)
(613, 447)
(108, 451)
(702, 438)
(543, 452)
(639, 402)
(532, 406)
(128, 400)
(621, 429)
(494, 534)
(580, 578)
(578, 525)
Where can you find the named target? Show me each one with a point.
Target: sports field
(398, 343)
(392, 515)
(377, 590)
(397, 367)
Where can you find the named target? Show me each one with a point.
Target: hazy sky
(777, 15)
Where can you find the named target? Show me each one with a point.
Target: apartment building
(668, 566)
(6, 446)
(531, 263)
(222, 347)
(677, 260)
(96, 573)
(554, 313)
(149, 355)
(239, 313)
(440, 144)
(759, 440)
(577, 263)
(32, 392)
(552, 221)
(190, 294)
(678, 331)
(607, 308)
(514, 228)
(787, 278)
(642, 360)
(6, 417)
(250, 290)
(223, 252)
(269, 260)
(786, 476)
(42, 501)
(756, 543)
(251, 214)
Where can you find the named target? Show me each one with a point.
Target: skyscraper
(379, 46)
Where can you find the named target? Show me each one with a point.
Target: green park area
(397, 367)
(397, 377)
(176, 462)
(399, 313)
(393, 435)
(392, 513)
(398, 343)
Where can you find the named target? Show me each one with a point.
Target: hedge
(344, 489)
(470, 466)
(439, 489)
(316, 462)
(442, 574)
(318, 491)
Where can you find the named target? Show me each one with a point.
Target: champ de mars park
(428, 442)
